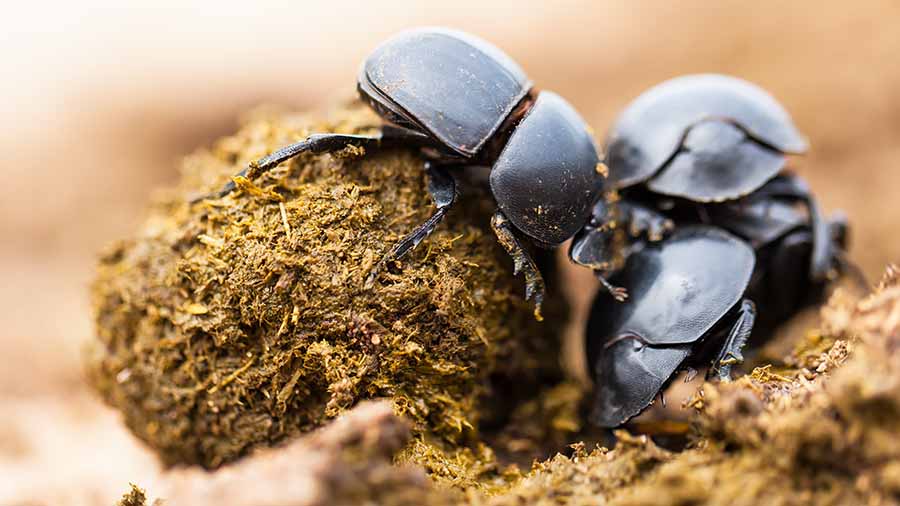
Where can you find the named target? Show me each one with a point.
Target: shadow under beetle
(703, 156)
(463, 102)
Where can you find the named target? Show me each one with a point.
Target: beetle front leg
(591, 248)
(730, 354)
(323, 143)
(642, 221)
(442, 188)
(522, 261)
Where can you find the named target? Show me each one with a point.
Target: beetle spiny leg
(619, 293)
(442, 188)
(315, 143)
(730, 354)
(522, 261)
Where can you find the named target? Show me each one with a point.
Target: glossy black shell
(717, 161)
(452, 85)
(680, 289)
(761, 222)
(652, 129)
(782, 235)
(546, 179)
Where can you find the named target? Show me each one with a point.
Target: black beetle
(708, 138)
(464, 102)
(703, 155)
(687, 306)
(701, 138)
(669, 278)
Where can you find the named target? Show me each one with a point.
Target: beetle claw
(619, 293)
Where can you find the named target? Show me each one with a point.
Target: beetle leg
(442, 188)
(824, 249)
(591, 248)
(619, 293)
(730, 354)
(640, 220)
(323, 143)
(839, 228)
(522, 261)
(823, 252)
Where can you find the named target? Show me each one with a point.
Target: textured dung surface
(819, 430)
(238, 323)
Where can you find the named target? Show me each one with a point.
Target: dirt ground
(104, 107)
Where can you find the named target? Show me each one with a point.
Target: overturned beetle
(463, 102)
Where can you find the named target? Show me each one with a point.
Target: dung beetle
(708, 138)
(463, 102)
(669, 277)
(700, 138)
(687, 306)
(704, 156)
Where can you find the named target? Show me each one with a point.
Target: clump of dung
(240, 322)
(134, 497)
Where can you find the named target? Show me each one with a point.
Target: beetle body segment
(455, 86)
(654, 126)
(784, 236)
(629, 376)
(717, 162)
(545, 179)
(682, 289)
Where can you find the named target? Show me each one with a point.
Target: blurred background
(100, 103)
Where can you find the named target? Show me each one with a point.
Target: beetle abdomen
(546, 179)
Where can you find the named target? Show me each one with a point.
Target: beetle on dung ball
(463, 102)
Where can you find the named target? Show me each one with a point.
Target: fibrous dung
(238, 322)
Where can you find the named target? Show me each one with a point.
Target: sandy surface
(106, 101)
